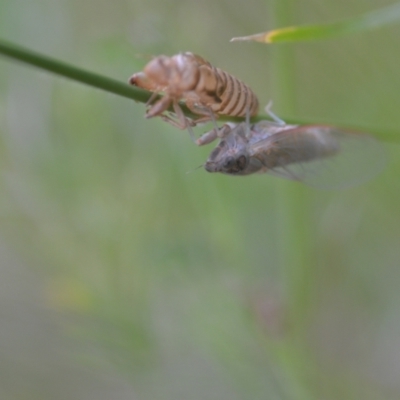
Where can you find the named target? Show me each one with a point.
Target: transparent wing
(321, 156)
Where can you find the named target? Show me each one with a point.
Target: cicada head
(231, 165)
(231, 155)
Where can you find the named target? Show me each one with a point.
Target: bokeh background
(122, 276)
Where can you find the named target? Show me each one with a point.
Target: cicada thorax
(207, 90)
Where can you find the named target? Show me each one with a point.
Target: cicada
(318, 155)
(207, 91)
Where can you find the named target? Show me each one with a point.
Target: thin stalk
(284, 80)
(293, 202)
(69, 71)
(293, 219)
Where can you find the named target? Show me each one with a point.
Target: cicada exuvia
(206, 90)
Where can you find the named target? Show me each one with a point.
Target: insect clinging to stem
(207, 91)
(318, 155)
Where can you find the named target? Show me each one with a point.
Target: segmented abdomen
(237, 98)
(224, 93)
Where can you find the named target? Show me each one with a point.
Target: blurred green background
(122, 276)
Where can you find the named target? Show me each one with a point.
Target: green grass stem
(114, 86)
(293, 224)
(70, 71)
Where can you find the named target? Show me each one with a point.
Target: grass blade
(365, 22)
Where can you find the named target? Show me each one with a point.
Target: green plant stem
(69, 71)
(66, 70)
(293, 225)
(293, 215)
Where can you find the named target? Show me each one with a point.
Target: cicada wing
(321, 156)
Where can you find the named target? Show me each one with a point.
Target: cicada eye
(241, 162)
(235, 165)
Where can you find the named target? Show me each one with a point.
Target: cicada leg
(273, 116)
(207, 115)
(159, 107)
(182, 122)
(210, 136)
(207, 137)
(248, 130)
(151, 99)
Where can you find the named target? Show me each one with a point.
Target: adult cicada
(318, 155)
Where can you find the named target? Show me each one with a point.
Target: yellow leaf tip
(259, 37)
